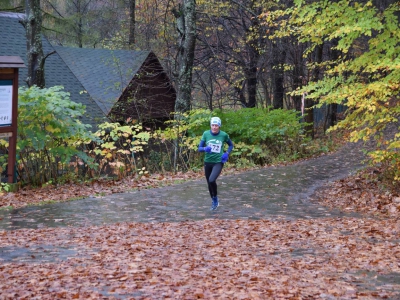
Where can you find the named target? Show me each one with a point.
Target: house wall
(150, 95)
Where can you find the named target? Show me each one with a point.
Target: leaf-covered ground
(330, 258)
(362, 193)
(341, 258)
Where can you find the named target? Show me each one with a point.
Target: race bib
(215, 148)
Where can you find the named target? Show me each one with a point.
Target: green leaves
(48, 133)
(259, 135)
(114, 136)
(117, 145)
(261, 126)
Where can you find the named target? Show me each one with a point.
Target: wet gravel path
(272, 192)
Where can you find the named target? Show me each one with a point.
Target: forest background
(256, 64)
(262, 66)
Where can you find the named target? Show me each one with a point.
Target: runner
(212, 142)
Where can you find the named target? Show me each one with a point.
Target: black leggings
(212, 171)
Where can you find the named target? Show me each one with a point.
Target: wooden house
(114, 85)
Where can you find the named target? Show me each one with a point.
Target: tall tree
(185, 15)
(233, 52)
(83, 23)
(36, 58)
(278, 73)
(366, 75)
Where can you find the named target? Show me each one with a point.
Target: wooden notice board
(9, 67)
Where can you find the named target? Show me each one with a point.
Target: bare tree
(84, 23)
(230, 51)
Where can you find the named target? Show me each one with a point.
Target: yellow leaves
(118, 144)
(51, 129)
(394, 145)
(109, 145)
(4, 143)
(143, 171)
(124, 151)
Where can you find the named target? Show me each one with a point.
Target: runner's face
(214, 128)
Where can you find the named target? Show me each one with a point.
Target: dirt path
(267, 193)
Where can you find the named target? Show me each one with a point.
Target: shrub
(49, 134)
(117, 149)
(260, 135)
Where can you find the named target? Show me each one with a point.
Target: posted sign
(6, 101)
(9, 66)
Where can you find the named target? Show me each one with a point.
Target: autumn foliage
(211, 259)
(365, 74)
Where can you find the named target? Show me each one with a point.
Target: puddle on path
(38, 254)
(268, 193)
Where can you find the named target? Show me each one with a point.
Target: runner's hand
(224, 157)
(207, 149)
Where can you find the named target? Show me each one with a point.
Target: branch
(47, 55)
(245, 8)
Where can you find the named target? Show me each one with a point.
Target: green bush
(261, 136)
(53, 146)
(261, 126)
(49, 134)
(118, 149)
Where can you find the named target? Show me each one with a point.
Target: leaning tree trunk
(186, 25)
(35, 57)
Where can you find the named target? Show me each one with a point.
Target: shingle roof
(13, 43)
(104, 73)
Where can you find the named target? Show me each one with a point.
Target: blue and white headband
(215, 121)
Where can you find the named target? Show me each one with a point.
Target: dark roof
(104, 73)
(13, 43)
(97, 81)
(11, 62)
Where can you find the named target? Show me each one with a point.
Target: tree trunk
(278, 90)
(251, 70)
(308, 104)
(251, 75)
(297, 75)
(80, 24)
(186, 26)
(335, 54)
(35, 57)
(278, 75)
(132, 22)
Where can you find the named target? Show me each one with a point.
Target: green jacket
(216, 142)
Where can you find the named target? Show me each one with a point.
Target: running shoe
(215, 203)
